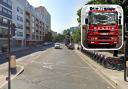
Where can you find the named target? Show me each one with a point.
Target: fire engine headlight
(95, 38)
(113, 29)
(94, 29)
(92, 39)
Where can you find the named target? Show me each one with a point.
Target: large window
(19, 18)
(5, 10)
(9, 2)
(9, 12)
(20, 26)
(5, 1)
(0, 8)
(5, 21)
(103, 18)
(19, 10)
(20, 34)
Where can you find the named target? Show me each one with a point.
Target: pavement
(113, 77)
(4, 74)
(57, 69)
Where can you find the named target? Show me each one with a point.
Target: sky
(63, 12)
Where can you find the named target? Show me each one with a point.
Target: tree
(76, 36)
(58, 38)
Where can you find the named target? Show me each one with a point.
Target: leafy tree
(76, 36)
(58, 38)
(122, 3)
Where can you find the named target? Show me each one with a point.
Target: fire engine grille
(105, 38)
(104, 31)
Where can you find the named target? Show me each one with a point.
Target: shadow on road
(24, 52)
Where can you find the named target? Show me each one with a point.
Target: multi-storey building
(5, 18)
(32, 24)
(37, 24)
(18, 16)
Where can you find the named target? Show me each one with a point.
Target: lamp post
(126, 55)
(11, 32)
(8, 55)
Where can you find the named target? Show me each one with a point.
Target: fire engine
(102, 25)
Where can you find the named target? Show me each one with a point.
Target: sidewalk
(113, 77)
(4, 74)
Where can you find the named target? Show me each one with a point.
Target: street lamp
(126, 55)
(11, 32)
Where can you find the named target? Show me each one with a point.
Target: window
(9, 12)
(0, 8)
(5, 1)
(19, 18)
(5, 10)
(20, 26)
(9, 3)
(5, 21)
(19, 33)
(19, 10)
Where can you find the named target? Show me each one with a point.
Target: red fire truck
(102, 26)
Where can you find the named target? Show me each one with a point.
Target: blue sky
(63, 12)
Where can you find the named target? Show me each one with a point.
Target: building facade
(5, 19)
(32, 24)
(38, 24)
(18, 17)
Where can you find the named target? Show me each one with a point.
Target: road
(57, 69)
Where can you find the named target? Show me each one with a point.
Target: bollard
(13, 64)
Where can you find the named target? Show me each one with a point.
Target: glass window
(5, 1)
(5, 20)
(21, 19)
(21, 11)
(9, 3)
(1, 19)
(5, 10)
(20, 26)
(9, 12)
(19, 33)
(0, 8)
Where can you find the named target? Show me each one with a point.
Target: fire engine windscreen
(103, 18)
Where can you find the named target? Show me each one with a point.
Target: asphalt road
(57, 69)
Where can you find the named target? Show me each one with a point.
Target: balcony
(6, 15)
(3, 24)
(28, 31)
(5, 4)
(27, 24)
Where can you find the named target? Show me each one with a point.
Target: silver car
(57, 46)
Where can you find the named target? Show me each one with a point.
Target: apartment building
(18, 16)
(5, 18)
(32, 24)
(38, 24)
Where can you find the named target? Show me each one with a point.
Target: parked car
(71, 46)
(57, 46)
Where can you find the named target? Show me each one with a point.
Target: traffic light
(13, 29)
